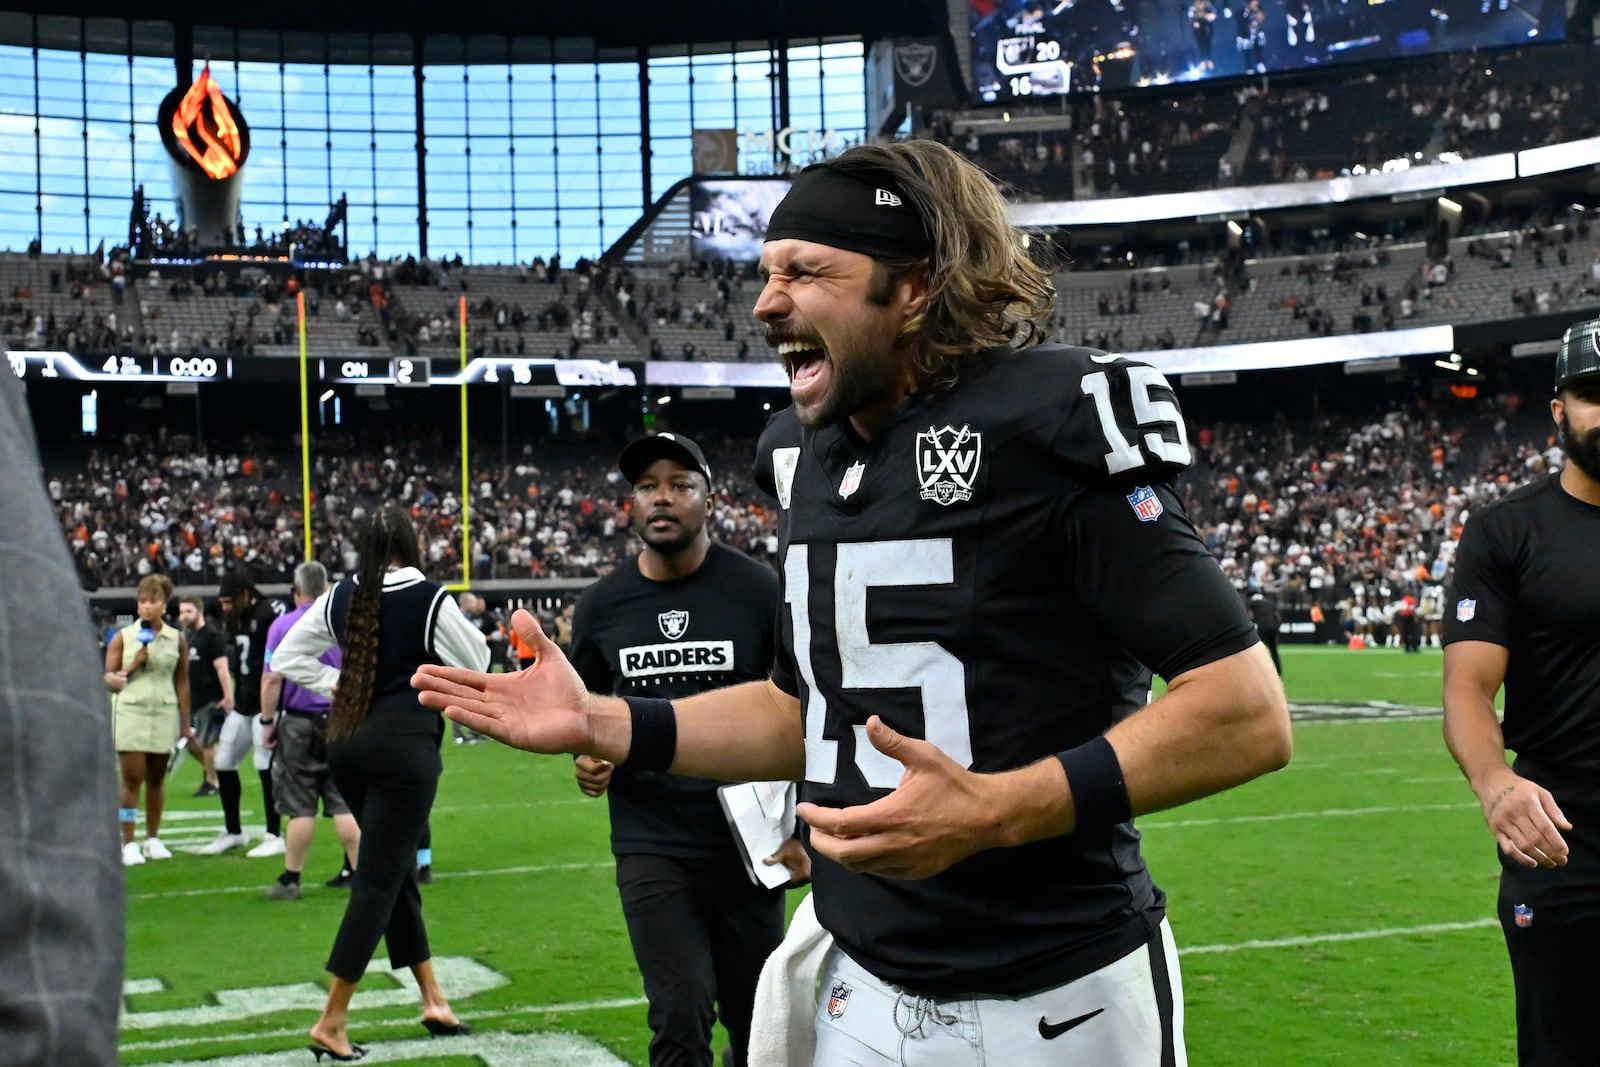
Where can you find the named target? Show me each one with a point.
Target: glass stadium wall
(495, 149)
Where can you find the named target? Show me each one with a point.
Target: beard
(858, 382)
(1582, 451)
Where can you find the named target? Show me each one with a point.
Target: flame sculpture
(206, 112)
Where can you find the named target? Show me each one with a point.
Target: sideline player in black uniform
(685, 615)
(249, 616)
(981, 547)
(1527, 616)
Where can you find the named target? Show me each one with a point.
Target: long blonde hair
(985, 290)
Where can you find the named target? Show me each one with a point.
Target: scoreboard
(64, 365)
(400, 371)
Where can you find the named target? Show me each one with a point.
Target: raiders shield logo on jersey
(674, 624)
(947, 463)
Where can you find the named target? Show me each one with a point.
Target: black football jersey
(991, 572)
(1524, 581)
(636, 637)
(249, 653)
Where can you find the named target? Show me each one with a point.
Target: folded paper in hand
(761, 815)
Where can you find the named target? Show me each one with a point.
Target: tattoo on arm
(1507, 791)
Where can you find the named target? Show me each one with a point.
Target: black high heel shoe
(319, 1051)
(442, 1029)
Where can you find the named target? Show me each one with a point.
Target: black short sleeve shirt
(1526, 580)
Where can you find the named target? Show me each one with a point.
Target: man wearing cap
(249, 617)
(685, 615)
(981, 549)
(1524, 613)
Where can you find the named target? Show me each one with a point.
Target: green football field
(1337, 912)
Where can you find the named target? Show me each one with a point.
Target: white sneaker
(154, 849)
(131, 856)
(271, 845)
(223, 843)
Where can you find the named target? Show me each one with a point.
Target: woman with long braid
(383, 752)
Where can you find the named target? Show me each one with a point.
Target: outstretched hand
(940, 814)
(543, 708)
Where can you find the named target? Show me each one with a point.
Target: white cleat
(271, 845)
(155, 850)
(223, 843)
(131, 856)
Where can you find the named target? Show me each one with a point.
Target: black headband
(862, 214)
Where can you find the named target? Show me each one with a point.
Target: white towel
(783, 1029)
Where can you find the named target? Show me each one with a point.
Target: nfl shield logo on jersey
(1522, 915)
(1465, 610)
(838, 997)
(1145, 503)
(947, 463)
(852, 478)
(674, 624)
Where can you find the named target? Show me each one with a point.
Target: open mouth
(803, 360)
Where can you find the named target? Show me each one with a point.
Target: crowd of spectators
(146, 505)
(562, 313)
(1352, 518)
(1443, 107)
(67, 311)
(155, 237)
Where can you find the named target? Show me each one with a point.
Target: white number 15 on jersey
(865, 664)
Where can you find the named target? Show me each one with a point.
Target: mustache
(781, 333)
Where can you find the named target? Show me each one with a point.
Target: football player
(982, 559)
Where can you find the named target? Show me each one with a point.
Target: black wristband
(655, 733)
(1099, 795)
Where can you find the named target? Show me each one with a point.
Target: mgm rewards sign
(207, 144)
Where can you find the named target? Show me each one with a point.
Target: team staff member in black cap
(982, 548)
(685, 615)
(249, 616)
(1524, 613)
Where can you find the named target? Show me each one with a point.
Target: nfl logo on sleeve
(1145, 503)
(1465, 610)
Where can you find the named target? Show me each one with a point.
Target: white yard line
(474, 1017)
(1348, 935)
(1282, 816)
(541, 868)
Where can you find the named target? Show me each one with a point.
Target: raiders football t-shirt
(633, 636)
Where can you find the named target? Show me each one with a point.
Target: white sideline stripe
(262, 888)
(1327, 813)
(474, 1017)
(1349, 935)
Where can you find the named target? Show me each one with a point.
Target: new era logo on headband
(886, 199)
